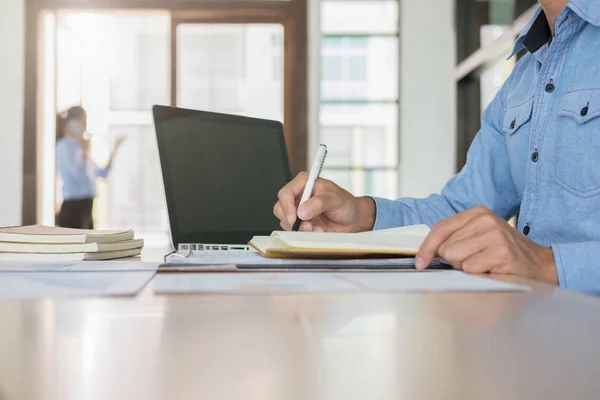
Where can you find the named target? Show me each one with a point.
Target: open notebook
(404, 241)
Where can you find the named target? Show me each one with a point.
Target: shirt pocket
(517, 116)
(578, 143)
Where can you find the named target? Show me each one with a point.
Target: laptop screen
(221, 175)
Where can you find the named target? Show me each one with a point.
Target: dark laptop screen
(221, 174)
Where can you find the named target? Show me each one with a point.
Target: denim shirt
(538, 150)
(78, 175)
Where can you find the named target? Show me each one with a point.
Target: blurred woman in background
(76, 169)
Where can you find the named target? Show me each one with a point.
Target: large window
(231, 68)
(118, 65)
(119, 58)
(359, 94)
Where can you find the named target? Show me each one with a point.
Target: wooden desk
(539, 345)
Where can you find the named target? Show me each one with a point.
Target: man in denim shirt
(538, 154)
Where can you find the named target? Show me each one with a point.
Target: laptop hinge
(186, 249)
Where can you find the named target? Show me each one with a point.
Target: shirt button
(526, 230)
(513, 123)
(584, 111)
(549, 88)
(535, 156)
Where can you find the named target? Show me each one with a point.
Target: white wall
(314, 77)
(11, 158)
(12, 44)
(427, 96)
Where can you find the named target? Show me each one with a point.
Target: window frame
(292, 14)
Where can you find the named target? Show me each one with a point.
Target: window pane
(117, 65)
(359, 16)
(331, 68)
(359, 94)
(354, 71)
(69, 62)
(342, 178)
(335, 42)
(231, 68)
(365, 183)
(339, 145)
(360, 135)
(112, 51)
(135, 83)
(134, 192)
(373, 143)
(357, 42)
(357, 69)
(358, 146)
(381, 184)
(277, 47)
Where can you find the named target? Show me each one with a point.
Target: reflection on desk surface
(325, 282)
(23, 285)
(316, 346)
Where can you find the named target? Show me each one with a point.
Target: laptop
(221, 176)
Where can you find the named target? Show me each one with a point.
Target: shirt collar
(537, 32)
(539, 13)
(587, 10)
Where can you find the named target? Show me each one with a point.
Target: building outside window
(359, 94)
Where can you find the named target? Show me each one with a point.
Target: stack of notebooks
(45, 243)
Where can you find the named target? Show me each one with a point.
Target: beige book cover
(51, 234)
(67, 257)
(55, 248)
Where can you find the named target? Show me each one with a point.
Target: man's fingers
(317, 205)
(477, 225)
(306, 227)
(481, 263)
(288, 196)
(441, 232)
(278, 211)
(459, 251)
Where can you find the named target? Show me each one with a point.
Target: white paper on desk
(25, 285)
(430, 281)
(290, 283)
(257, 283)
(76, 266)
(252, 257)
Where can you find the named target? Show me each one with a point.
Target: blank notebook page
(409, 238)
